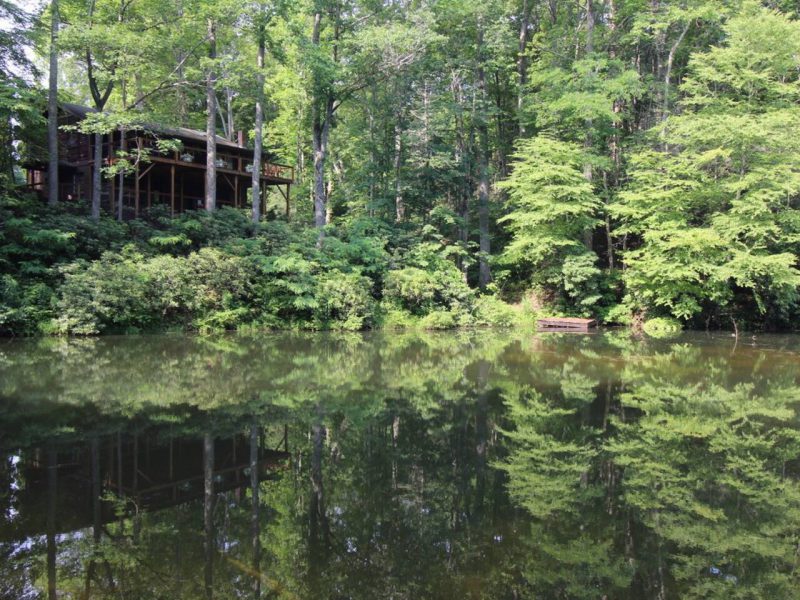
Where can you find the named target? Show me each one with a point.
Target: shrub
(221, 320)
(581, 280)
(11, 318)
(493, 312)
(344, 301)
(397, 318)
(109, 294)
(286, 288)
(620, 314)
(439, 319)
(420, 291)
(207, 289)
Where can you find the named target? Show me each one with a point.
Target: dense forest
(457, 163)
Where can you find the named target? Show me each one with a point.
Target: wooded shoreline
(451, 164)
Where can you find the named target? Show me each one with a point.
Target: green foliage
(396, 318)
(636, 155)
(490, 311)
(553, 205)
(437, 285)
(618, 314)
(724, 450)
(439, 319)
(65, 274)
(716, 208)
(345, 301)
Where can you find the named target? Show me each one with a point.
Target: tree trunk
(372, 160)
(259, 125)
(320, 120)
(229, 112)
(614, 142)
(522, 61)
(100, 99)
(587, 168)
(97, 181)
(667, 75)
(52, 109)
(182, 102)
(461, 201)
(123, 146)
(211, 122)
(399, 204)
(121, 190)
(320, 149)
(484, 274)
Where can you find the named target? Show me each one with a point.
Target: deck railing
(79, 149)
(227, 161)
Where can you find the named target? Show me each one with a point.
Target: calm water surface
(500, 464)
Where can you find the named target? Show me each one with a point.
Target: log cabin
(175, 179)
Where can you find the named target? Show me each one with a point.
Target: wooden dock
(565, 323)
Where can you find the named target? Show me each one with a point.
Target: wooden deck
(565, 323)
(174, 178)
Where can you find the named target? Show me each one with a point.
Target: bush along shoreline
(63, 274)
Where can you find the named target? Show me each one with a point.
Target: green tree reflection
(458, 465)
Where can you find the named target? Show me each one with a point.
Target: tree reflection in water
(473, 464)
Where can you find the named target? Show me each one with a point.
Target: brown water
(488, 464)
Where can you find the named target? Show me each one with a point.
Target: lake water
(479, 464)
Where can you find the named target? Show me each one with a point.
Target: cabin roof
(80, 112)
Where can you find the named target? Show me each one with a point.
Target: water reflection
(417, 465)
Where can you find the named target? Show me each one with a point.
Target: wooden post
(149, 188)
(288, 193)
(172, 189)
(113, 194)
(182, 192)
(136, 192)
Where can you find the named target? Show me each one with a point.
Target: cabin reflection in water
(96, 480)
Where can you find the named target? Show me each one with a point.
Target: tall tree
(52, 109)
(484, 273)
(322, 108)
(351, 49)
(211, 117)
(715, 218)
(260, 26)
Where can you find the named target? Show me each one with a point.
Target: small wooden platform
(571, 323)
